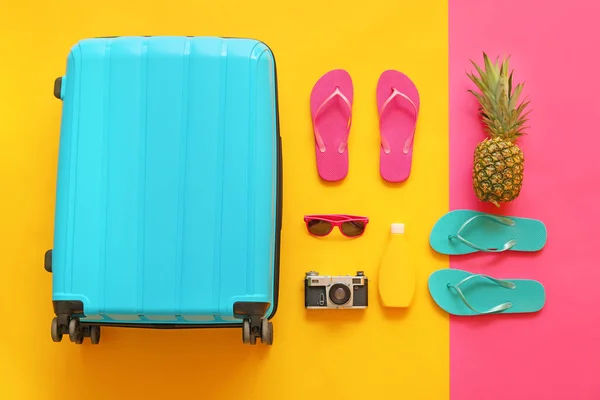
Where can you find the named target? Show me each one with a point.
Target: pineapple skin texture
(498, 167)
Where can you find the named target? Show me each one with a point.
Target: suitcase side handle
(58, 88)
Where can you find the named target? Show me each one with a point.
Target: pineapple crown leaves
(499, 109)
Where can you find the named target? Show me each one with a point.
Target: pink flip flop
(331, 109)
(398, 105)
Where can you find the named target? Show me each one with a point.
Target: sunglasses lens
(353, 228)
(319, 227)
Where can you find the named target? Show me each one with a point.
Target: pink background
(554, 354)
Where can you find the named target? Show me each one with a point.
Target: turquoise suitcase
(169, 182)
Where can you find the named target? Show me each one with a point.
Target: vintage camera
(335, 291)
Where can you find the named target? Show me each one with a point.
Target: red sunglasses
(322, 224)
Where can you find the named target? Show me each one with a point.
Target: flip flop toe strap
(496, 309)
(319, 139)
(384, 142)
(501, 220)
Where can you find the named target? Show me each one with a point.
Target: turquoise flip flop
(463, 293)
(466, 231)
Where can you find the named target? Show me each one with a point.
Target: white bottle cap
(397, 228)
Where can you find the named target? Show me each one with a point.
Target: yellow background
(389, 354)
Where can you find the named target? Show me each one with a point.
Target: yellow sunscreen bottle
(397, 271)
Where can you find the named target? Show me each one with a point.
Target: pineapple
(498, 161)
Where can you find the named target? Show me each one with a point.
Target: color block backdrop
(349, 353)
(418, 353)
(554, 354)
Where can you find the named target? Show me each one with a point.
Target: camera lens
(339, 293)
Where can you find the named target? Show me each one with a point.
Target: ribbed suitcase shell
(168, 205)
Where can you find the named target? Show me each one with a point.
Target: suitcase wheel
(255, 325)
(95, 334)
(246, 332)
(262, 330)
(56, 330)
(266, 333)
(76, 331)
